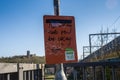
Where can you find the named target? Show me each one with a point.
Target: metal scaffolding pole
(101, 41)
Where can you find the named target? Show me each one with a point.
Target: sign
(60, 39)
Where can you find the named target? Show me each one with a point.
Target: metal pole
(25, 75)
(94, 73)
(56, 7)
(90, 43)
(103, 73)
(113, 73)
(84, 73)
(83, 53)
(60, 75)
(8, 76)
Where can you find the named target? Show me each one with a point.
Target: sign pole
(56, 7)
(59, 75)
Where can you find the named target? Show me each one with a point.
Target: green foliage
(108, 73)
(23, 59)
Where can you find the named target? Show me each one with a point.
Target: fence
(82, 71)
(93, 70)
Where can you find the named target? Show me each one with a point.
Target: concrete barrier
(21, 71)
(8, 67)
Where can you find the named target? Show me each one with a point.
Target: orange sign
(60, 40)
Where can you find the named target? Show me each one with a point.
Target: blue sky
(21, 22)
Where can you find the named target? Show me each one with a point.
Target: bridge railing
(92, 70)
(80, 71)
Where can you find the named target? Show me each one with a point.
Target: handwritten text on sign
(59, 38)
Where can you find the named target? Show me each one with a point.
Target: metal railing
(92, 70)
(109, 70)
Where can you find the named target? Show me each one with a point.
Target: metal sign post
(56, 7)
(60, 39)
(60, 75)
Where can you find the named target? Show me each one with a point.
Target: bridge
(106, 52)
